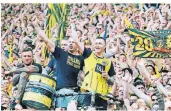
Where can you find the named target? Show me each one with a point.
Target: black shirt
(68, 68)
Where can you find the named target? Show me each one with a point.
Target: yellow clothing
(157, 72)
(104, 12)
(93, 81)
(10, 90)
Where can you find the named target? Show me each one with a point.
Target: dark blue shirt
(53, 64)
(68, 68)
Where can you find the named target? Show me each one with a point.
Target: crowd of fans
(17, 32)
(151, 75)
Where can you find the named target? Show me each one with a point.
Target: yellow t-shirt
(93, 81)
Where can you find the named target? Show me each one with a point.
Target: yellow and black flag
(56, 15)
(151, 44)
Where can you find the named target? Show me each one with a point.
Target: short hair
(122, 54)
(80, 31)
(101, 39)
(31, 26)
(134, 95)
(154, 94)
(150, 61)
(137, 79)
(128, 69)
(101, 25)
(139, 83)
(65, 38)
(27, 49)
(151, 67)
(164, 70)
(15, 88)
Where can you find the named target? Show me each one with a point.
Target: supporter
(53, 65)
(70, 63)
(91, 21)
(21, 74)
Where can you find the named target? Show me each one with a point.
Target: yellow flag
(128, 24)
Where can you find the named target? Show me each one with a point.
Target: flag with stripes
(56, 15)
(151, 44)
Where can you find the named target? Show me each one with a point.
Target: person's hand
(126, 102)
(72, 106)
(150, 23)
(127, 78)
(18, 107)
(140, 62)
(11, 71)
(91, 109)
(105, 75)
(35, 22)
(7, 72)
(117, 80)
(154, 80)
(135, 61)
(157, 11)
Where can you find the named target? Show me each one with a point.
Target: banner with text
(152, 44)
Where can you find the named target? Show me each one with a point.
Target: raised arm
(159, 14)
(43, 36)
(75, 37)
(126, 90)
(4, 35)
(126, 95)
(162, 88)
(140, 94)
(132, 65)
(144, 71)
(114, 89)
